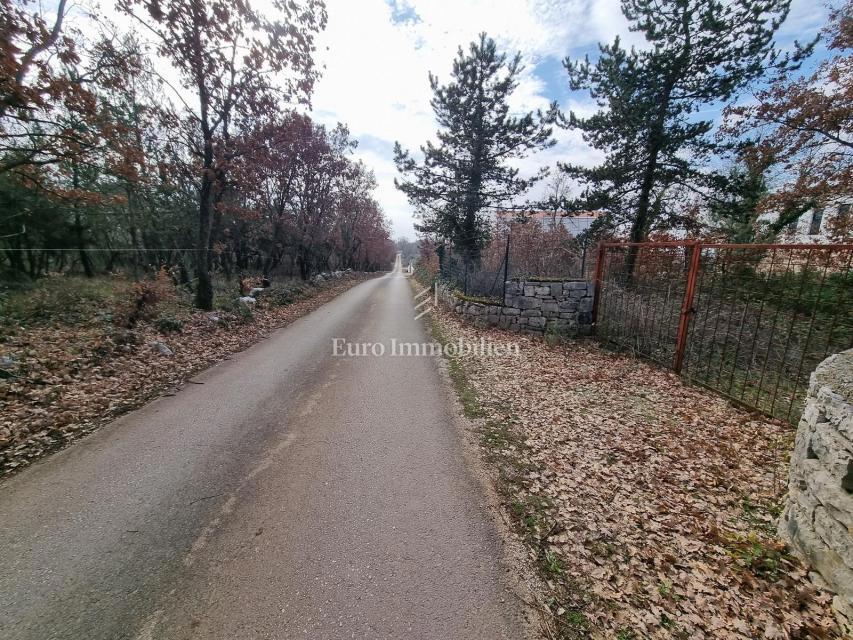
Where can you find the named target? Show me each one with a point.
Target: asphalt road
(293, 494)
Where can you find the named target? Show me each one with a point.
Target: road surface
(293, 494)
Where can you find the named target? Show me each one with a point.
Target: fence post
(687, 306)
(465, 282)
(506, 265)
(599, 273)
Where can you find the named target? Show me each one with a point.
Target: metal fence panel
(749, 321)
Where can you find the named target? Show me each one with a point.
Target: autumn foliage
(801, 129)
(108, 163)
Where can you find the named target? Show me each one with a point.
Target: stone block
(837, 536)
(543, 291)
(529, 290)
(818, 518)
(531, 313)
(550, 309)
(569, 305)
(510, 311)
(536, 322)
(528, 302)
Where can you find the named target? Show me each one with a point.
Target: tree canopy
(105, 163)
(698, 53)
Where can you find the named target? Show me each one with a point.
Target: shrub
(169, 324)
(286, 293)
(143, 299)
(243, 312)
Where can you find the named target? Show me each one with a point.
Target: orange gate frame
(695, 248)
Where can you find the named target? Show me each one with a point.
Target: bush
(143, 299)
(169, 324)
(59, 298)
(287, 293)
(243, 312)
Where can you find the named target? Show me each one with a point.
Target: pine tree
(468, 171)
(700, 52)
(735, 208)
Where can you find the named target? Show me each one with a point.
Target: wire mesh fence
(749, 321)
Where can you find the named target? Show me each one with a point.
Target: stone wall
(818, 519)
(532, 307)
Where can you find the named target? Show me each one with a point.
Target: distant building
(814, 226)
(574, 223)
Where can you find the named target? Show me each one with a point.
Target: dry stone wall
(532, 307)
(818, 519)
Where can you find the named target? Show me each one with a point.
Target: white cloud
(376, 70)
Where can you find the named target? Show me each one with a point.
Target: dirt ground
(648, 505)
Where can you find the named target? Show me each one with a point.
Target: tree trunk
(204, 290)
(78, 229)
(640, 226)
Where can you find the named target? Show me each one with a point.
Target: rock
(531, 313)
(550, 308)
(8, 362)
(543, 291)
(529, 303)
(510, 311)
(162, 349)
(536, 322)
(569, 305)
(818, 518)
(246, 300)
(256, 291)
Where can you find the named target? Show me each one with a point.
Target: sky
(377, 55)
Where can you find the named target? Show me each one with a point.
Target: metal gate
(749, 321)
